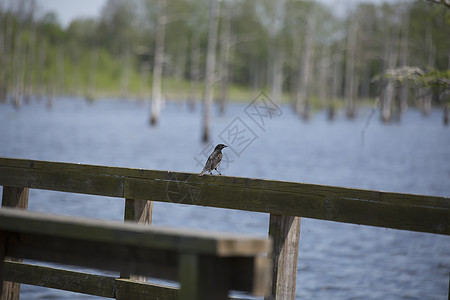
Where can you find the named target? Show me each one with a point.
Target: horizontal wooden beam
(375, 208)
(89, 284)
(131, 234)
(129, 247)
(129, 289)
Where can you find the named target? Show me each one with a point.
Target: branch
(444, 2)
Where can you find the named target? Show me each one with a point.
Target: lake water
(336, 261)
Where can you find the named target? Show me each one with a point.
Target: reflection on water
(338, 261)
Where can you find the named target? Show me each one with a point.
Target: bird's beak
(225, 146)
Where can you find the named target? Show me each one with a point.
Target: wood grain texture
(16, 197)
(49, 277)
(203, 277)
(90, 284)
(130, 234)
(129, 248)
(285, 233)
(375, 208)
(139, 211)
(128, 289)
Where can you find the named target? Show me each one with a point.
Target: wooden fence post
(2, 260)
(203, 277)
(139, 211)
(13, 197)
(285, 234)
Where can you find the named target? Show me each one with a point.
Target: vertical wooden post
(15, 197)
(2, 260)
(139, 211)
(203, 277)
(285, 234)
(12, 197)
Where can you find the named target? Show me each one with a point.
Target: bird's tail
(203, 172)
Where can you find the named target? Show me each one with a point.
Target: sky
(68, 10)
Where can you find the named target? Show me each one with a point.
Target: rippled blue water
(336, 261)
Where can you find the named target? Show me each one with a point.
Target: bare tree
(214, 12)
(403, 105)
(60, 69)
(158, 63)
(224, 57)
(431, 51)
(90, 93)
(336, 84)
(390, 57)
(350, 61)
(194, 69)
(18, 67)
(304, 85)
(277, 51)
(5, 55)
(30, 65)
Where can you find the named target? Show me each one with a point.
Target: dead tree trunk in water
(303, 89)
(447, 106)
(194, 71)
(277, 72)
(158, 65)
(224, 60)
(446, 114)
(90, 95)
(324, 77)
(391, 54)
(277, 49)
(214, 12)
(403, 106)
(295, 61)
(40, 69)
(19, 70)
(337, 80)
(60, 70)
(30, 66)
(426, 100)
(6, 78)
(350, 70)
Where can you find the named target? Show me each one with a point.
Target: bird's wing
(210, 162)
(216, 161)
(208, 165)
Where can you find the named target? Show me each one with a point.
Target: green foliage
(113, 55)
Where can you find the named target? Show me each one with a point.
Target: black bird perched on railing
(213, 160)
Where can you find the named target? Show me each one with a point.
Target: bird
(213, 160)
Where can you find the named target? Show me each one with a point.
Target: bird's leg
(218, 171)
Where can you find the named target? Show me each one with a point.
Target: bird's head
(220, 147)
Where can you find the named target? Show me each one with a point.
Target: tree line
(298, 51)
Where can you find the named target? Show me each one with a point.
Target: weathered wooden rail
(286, 202)
(206, 264)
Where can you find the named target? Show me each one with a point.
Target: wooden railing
(286, 202)
(207, 265)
